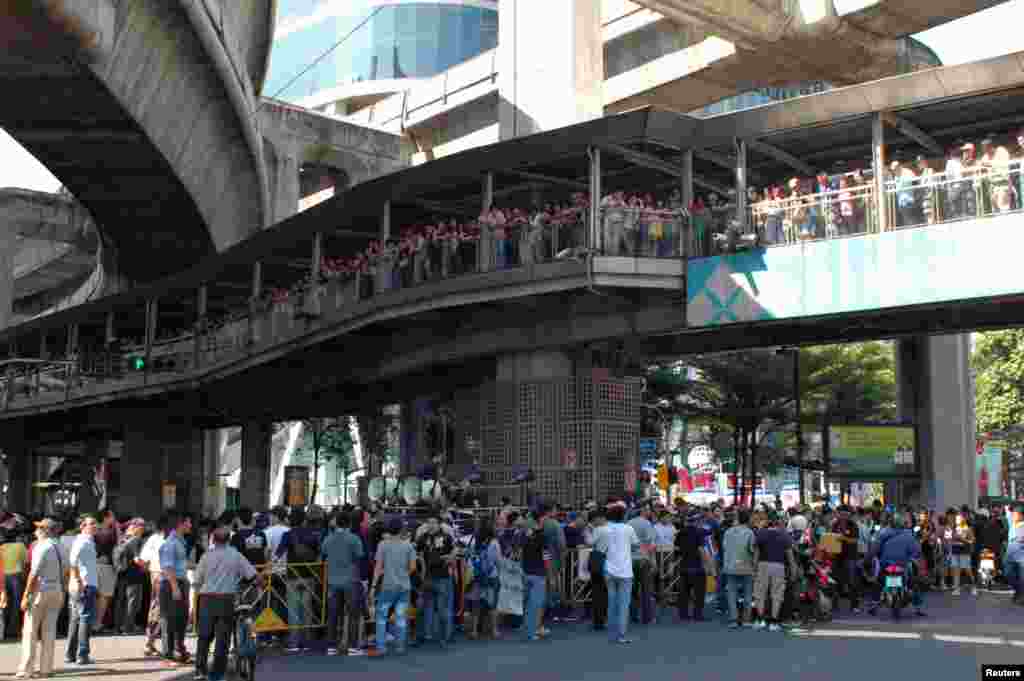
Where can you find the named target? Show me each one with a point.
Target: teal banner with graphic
(955, 261)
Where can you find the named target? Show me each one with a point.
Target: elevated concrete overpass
(725, 49)
(146, 112)
(51, 251)
(453, 334)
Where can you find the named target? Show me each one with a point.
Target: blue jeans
(534, 595)
(344, 612)
(620, 592)
(300, 609)
(81, 613)
(399, 600)
(743, 583)
(436, 599)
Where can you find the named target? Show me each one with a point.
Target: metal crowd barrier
(289, 597)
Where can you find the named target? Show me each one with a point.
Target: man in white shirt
(277, 531)
(82, 593)
(149, 560)
(617, 541)
(42, 601)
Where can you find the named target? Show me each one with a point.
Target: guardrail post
(197, 337)
(151, 317)
(686, 192)
(71, 352)
(878, 161)
(741, 185)
(594, 242)
(254, 299)
(485, 246)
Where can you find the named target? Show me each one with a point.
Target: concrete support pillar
(19, 479)
(550, 65)
(254, 488)
(142, 475)
(213, 487)
(286, 186)
(157, 454)
(936, 389)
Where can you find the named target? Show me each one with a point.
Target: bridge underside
(58, 110)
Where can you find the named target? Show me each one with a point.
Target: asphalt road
(952, 643)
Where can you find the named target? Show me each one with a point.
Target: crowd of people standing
(415, 580)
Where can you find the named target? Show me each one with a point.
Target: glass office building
(368, 42)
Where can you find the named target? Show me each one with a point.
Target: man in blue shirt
(82, 593)
(897, 545)
(343, 551)
(174, 589)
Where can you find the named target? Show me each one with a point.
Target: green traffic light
(138, 363)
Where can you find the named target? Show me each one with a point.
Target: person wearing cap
(42, 601)
(995, 164)
(130, 576)
(218, 576)
(394, 564)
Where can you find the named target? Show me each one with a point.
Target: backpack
(485, 570)
(301, 552)
(123, 558)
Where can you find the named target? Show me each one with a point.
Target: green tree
(326, 441)
(746, 394)
(851, 382)
(998, 363)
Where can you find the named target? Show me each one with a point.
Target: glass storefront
(378, 41)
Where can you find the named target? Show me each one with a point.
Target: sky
(983, 35)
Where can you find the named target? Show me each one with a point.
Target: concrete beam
(561, 181)
(648, 161)
(781, 156)
(913, 132)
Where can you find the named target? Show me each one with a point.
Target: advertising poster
(869, 451)
(988, 469)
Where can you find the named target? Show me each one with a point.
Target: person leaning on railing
(218, 576)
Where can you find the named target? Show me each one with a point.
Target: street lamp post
(799, 426)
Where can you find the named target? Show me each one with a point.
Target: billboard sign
(871, 451)
(988, 469)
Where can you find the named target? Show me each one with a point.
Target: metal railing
(644, 233)
(909, 201)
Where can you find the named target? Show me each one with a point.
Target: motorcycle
(817, 591)
(986, 568)
(895, 589)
